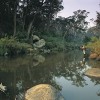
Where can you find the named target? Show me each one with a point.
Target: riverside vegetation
(20, 20)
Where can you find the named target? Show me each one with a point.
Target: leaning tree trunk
(30, 26)
(29, 29)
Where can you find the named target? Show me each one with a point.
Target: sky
(73, 5)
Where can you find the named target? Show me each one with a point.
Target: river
(64, 71)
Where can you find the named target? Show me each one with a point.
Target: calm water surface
(64, 71)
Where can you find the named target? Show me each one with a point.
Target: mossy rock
(93, 72)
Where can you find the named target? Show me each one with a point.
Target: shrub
(54, 43)
(9, 46)
(94, 39)
(86, 39)
(94, 46)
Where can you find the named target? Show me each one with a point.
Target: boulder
(98, 58)
(93, 56)
(93, 72)
(43, 92)
(39, 43)
(35, 38)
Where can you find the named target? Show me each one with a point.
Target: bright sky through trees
(72, 5)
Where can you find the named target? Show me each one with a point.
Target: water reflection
(21, 73)
(98, 92)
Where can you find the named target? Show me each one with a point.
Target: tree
(76, 24)
(96, 29)
(6, 16)
(44, 11)
(98, 19)
(72, 26)
(25, 15)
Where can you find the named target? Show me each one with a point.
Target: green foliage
(54, 43)
(86, 39)
(12, 47)
(98, 20)
(72, 26)
(94, 46)
(21, 36)
(94, 39)
(19, 14)
(94, 31)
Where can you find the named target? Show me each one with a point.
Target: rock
(93, 56)
(46, 50)
(93, 72)
(39, 43)
(98, 58)
(35, 38)
(43, 92)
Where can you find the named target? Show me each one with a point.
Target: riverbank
(94, 45)
(46, 44)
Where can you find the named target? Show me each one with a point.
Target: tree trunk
(14, 25)
(29, 29)
(30, 26)
(15, 8)
(24, 16)
(24, 23)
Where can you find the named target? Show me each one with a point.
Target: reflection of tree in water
(98, 92)
(31, 71)
(96, 81)
(70, 69)
(21, 74)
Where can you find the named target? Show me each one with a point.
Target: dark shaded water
(63, 70)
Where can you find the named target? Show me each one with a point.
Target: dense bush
(54, 43)
(21, 36)
(94, 45)
(94, 39)
(59, 44)
(86, 39)
(12, 47)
